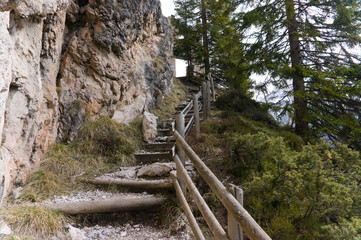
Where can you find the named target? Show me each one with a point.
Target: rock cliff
(64, 61)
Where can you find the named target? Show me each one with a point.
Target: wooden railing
(182, 181)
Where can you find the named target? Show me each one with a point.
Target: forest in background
(301, 178)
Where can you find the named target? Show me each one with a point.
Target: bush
(237, 101)
(298, 195)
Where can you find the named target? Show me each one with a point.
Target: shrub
(237, 101)
(306, 194)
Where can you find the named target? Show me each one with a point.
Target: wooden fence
(239, 219)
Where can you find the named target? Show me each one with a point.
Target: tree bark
(300, 105)
(205, 36)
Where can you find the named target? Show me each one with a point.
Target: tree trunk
(205, 36)
(298, 79)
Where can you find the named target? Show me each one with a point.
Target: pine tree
(187, 44)
(312, 43)
(227, 54)
(211, 38)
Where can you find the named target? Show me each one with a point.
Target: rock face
(116, 63)
(31, 41)
(62, 61)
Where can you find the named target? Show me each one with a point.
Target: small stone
(17, 192)
(76, 233)
(4, 229)
(123, 234)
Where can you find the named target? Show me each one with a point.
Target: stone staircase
(147, 185)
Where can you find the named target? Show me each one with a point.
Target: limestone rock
(60, 66)
(76, 233)
(156, 169)
(30, 50)
(149, 127)
(121, 58)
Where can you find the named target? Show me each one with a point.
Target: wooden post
(204, 94)
(196, 116)
(234, 229)
(179, 150)
(187, 210)
(208, 98)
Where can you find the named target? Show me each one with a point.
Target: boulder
(156, 169)
(149, 127)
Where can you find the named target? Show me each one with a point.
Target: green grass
(33, 222)
(167, 108)
(99, 147)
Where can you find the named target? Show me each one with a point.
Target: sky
(168, 9)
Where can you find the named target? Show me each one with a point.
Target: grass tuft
(100, 146)
(167, 108)
(34, 221)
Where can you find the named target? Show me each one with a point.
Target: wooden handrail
(211, 220)
(187, 108)
(249, 225)
(187, 210)
(189, 125)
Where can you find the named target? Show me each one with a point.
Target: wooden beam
(187, 210)
(179, 150)
(211, 220)
(249, 225)
(107, 206)
(143, 184)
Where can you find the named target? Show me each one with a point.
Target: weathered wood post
(234, 229)
(179, 151)
(210, 78)
(204, 94)
(208, 97)
(196, 116)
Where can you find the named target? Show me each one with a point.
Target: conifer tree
(211, 38)
(313, 43)
(227, 52)
(188, 43)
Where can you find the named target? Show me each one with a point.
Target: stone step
(166, 124)
(149, 157)
(164, 139)
(164, 132)
(158, 147)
